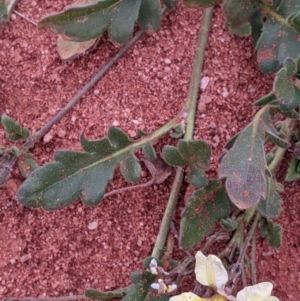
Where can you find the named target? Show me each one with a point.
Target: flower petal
(210, 271)
(193, 297)
(258, 292)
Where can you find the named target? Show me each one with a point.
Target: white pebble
(96, 92)
(132, 134)
(204, 82)
(135, 121)
(47, 138)
(116, 123)
(93, 225)
(25, 257)
(168, 61)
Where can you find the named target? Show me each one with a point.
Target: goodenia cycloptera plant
(274, 24)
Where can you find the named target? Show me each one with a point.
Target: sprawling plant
(246, 196)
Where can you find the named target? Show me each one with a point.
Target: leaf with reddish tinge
(244, 165)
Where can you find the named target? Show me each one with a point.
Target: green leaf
(294, 20)
(97, 295)
(196, 154)
(197, 177)
(82, 21)
(293, 172)
(123, 17)
(205, 208)
(265, 100)
(7, 160)
(278, 40)
(13, 129)
(84, 174)
(229, 224)
(130, 168)
(270, 207)
(150, 15)
(271, 231)
(6, 8)
(141, 290)
(26, 164)
(238, 13)
(173, 157)
(284, 88)
(148, 149)
(244, 165)
(201, 3)
(170, 3)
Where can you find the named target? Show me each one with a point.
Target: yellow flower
(258, 292)
(210, 271)
(193, 297)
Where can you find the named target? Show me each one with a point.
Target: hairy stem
(253, 252)
(191, 104)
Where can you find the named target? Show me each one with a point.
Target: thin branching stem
(253, 252)
(190, 106)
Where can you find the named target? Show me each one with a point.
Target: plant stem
(192, 97)
(248, 238)
(191, 104)
(253, 252)
(288, 128)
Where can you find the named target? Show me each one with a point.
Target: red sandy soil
(54, 253)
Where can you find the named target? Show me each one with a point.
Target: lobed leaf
(272, 231)
(141, 290)
(244, 165)
(201, 3)
(238, 15)
(86, 21)
(13, 129)
(293, 172)
(6, 8)
(195, 154)
(84, 174)
(284, 88)
(205, 208)
(270, 207)
(279, 38)
(149, 15)
(170, 3)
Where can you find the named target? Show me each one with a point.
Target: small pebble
(201, 107)
(96, 92)
(61, 133)
(47, 138)
(116, 123)
(139, 243)
(206, 99)
(132, 134)
(168, 61)
(73, 118)
(93, 225)
(204, 82)
(25, 257)
(135, 121)
(212, 125)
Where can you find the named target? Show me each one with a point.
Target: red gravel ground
(54, 253)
